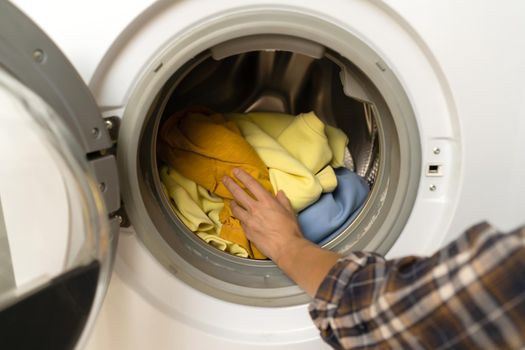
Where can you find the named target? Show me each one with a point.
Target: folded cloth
(196, 206)
(223, 244)
(307, 139)
(204, 147)
(333, 210)
(198, 209)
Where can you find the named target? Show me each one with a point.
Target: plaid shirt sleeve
(468, 295)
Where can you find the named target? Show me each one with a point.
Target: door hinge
(104, 165)
(113, 127)
(121, 216)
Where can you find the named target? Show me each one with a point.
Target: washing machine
(430, 94)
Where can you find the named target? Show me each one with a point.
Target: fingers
(238, 211)
(237, 192)
(285, 202)
(251, 184)
(242, 198)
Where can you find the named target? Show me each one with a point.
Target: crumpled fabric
(299, 152)
(281, 126)
(286, 173)
(204, 147)
(320, 220)
(198, 209)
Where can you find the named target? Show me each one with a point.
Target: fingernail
(236, 171)
(224, 179)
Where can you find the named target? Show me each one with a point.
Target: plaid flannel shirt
(468, 295)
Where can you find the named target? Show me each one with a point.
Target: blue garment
(320, 221)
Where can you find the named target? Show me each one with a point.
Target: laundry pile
(297, 154)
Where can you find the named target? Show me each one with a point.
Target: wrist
(290, 249)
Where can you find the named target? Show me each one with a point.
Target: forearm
(306, 264)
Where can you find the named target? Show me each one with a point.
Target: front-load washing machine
(429, 94)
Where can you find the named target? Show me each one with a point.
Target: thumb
(285, 202)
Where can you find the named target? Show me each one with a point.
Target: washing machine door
(58, 193)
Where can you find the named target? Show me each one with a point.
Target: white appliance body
(461, 65)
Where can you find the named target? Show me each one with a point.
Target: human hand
(268, 221)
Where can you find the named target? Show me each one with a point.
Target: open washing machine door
(58, 182)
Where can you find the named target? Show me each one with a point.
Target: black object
(52, 317)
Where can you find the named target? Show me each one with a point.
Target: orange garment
(204, 147)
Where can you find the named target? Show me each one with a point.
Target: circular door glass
(54, 239)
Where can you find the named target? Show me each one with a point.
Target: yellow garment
(286, 173)
(275, 123)
(338, 141)
(224, 245)
(205, 147)
(306, 138)
(197, 209)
